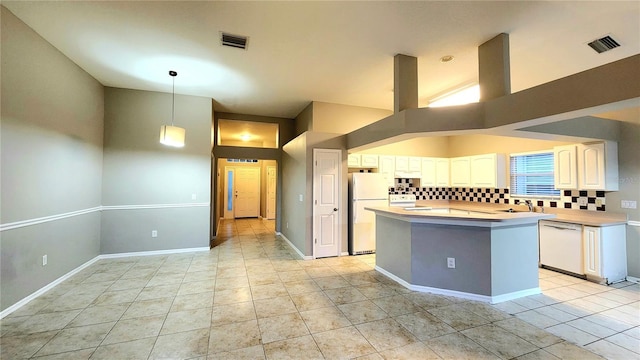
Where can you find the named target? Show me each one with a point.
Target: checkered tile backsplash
(569, 199)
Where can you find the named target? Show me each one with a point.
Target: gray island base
(496, 259)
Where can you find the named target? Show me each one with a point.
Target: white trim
(514, 295)
(64, 277)
(549, 151)
(633, 223)
(44, 219)
(344, 253)
(302, 256)
(154, 252)
(153, 206)
(633, 279)
(464, 295)
(46, 288)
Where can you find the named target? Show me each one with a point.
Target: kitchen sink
(513, 211)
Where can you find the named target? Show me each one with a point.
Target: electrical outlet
(193, 196)
(300, 197)
(598, 202)
(45, 260)
(154, 233)
(582, 201)
(451, 263)
(287, 224)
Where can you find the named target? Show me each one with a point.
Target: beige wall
(138, 170)
(343, 119)
(436, 146)
(297, 164)
(466, 145)
(51, 161)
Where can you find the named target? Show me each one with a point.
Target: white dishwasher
(561, 246)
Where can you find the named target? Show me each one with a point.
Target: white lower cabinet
(591, 250)
(604, 252)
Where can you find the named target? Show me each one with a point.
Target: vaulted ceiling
(338, 52)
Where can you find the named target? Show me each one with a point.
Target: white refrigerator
(365, 190)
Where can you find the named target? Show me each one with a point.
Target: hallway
(249, 298)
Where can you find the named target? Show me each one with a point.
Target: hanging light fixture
(172, 135)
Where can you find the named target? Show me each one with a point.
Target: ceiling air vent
(236, 41)
(604, 44)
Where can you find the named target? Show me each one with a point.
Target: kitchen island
(495, 253)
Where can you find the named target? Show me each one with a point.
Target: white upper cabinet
(353, 160)
(598, 166)
(369, 161)
(402, 164)
(415, 165)
(565, 167)
(586, 166)
(435, 172)
(408, 167)
(488, 171)
(387, 166)
(428, 178)
(442, 172)
(460, 171)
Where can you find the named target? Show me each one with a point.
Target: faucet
(529, 204)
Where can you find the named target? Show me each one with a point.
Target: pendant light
(172, 135)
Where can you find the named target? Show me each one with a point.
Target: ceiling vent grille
(235, 41)
(604, 44)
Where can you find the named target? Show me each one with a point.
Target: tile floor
(249, 298)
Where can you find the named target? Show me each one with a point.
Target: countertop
(477, 214)
(491, 213)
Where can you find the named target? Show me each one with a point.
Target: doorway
(246, 189)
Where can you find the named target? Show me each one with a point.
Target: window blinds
(532, 175)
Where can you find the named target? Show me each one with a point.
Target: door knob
(335, 209)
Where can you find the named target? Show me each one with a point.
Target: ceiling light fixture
(446, 58)
(465, 95)
(172, 135)
(245, 137)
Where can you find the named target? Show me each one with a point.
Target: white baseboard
(460, 294)
(151, 253)
(46, 288)
(64, 277)
(344, 253)
(633, 279)
(302, 256)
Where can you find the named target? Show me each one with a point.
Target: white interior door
(326, 202)
(271, 192)
(247, 192)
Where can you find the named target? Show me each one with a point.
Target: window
(247, 134)
(532, 175)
